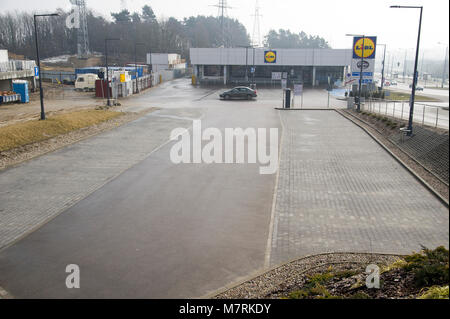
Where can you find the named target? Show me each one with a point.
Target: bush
(430, 267)
(359, 295)
(436, 293)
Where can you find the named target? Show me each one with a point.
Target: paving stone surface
(36, 191)
(339, 191)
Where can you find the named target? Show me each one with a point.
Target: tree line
(157, 35)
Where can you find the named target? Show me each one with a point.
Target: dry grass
(15, 135)
(400, 96)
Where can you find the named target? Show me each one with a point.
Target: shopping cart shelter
(240, 66)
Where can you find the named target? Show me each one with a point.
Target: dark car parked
(418, 88)
(240, 92)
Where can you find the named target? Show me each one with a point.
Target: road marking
(208, 94)
(274, 200)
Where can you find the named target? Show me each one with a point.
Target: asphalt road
(158, 230)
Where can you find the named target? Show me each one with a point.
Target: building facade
(240, 66)
(165, 61)
(11, 70)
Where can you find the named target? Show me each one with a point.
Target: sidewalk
(339, 191)
(34, 192)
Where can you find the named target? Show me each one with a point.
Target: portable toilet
(21, 88)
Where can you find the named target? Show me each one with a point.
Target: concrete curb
(260, 273)
(409, 169)
(305, 109)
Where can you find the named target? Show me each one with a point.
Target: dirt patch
(346, 276)
(291, 277)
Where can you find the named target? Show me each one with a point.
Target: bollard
(423, 117)
(393, 113)
(403, 104)
(288, 98)
(437, 116)
(328, 99)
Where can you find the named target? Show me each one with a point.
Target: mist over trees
(285, 39)
(163, 35)
(157, 35)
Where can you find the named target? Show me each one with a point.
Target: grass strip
(20, 134)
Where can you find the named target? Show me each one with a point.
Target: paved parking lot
(140, 226)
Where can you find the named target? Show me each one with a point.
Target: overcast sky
(330, 19)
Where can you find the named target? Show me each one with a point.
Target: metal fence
(424, 114)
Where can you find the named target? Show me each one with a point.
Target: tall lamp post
(444, 72)
(254, 70)
(415, 78)
(135, 64)
(41, 91)
(384, 62)
(246, 59)
(108, 103)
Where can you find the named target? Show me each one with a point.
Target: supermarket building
(239, 66)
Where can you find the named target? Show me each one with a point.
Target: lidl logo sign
(270, 57)
(366, 45)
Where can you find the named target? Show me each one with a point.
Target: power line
(222, 13)
(256, 39)
(82, 35)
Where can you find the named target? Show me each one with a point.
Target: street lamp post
(404, 66)
(384, 62)
(108, 103)
(254, 70)
(41, 91)
(445, 66)
(415, 78)
(135, 64)
(246, 60)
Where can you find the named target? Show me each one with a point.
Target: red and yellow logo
(369, 48)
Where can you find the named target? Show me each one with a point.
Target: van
(86, 82)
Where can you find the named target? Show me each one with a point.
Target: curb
(259, 273)
(305, 109)
(409, 169)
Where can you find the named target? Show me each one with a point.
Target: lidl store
(240, 66)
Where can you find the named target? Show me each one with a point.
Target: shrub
(359, 295)
(435, 293)
(430, 267)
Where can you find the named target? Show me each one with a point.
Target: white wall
(162, 61)
(288, 57)
(3, 55)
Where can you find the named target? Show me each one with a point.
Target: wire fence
(424, 114)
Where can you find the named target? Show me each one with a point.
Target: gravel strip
(24, 153)
(434, 182)
(275, 283)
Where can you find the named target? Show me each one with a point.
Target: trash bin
(287, 96)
